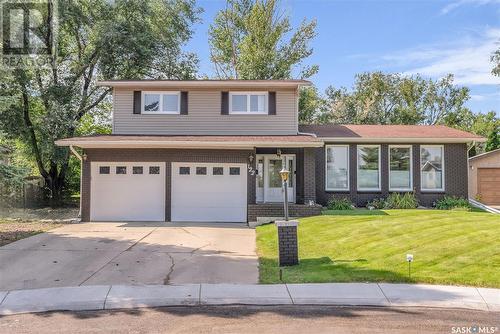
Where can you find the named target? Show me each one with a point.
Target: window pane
(337, 170)
(137, 170)
(184, 170)
(239, 103)
(275, 166)
(431, 166)
(368, 168)
(121, 170)
(257, 103)
(154, 170)
(234, 171)
(151, 102)
(170, 103)
(218, 171)
(400, 176)
(260, 173)
(104, 170)
(201, 170)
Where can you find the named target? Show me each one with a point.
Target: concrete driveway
(131, 253)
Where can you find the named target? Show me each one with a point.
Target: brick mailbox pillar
(287, 242)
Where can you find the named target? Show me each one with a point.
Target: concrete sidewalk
(105, 297)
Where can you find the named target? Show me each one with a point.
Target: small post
(409, 259)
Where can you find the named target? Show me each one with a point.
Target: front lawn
(449, 247)
(15, 229)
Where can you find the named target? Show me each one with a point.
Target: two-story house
(211, 150)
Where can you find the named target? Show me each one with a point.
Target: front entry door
(269, 185)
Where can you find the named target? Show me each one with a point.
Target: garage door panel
(129, 196)
(210, 197)
(489, 185)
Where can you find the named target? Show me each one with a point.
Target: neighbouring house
(484, 177)
(211, 150)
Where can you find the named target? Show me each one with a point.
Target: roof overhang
(427, 140)
(220, 84)
(186, 144)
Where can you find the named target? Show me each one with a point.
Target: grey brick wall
(455, 164)
(164, 155)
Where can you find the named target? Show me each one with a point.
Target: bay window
(248, 103)
(368, 167)
(400, 168)
(432, 168)
(337, 167)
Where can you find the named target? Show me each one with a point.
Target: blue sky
(428, 37)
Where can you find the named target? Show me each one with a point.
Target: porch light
(284, 175)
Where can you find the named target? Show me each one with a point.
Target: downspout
(79, 157)
(468, 167)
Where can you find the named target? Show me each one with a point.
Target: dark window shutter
(224, 108)
(184, 103)
(272, 103)
(137, 102)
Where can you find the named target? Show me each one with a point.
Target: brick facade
(277, 210)
(455, 167)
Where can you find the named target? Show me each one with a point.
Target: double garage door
(200, 192)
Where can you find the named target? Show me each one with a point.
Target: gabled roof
(205, 83)
(485, 154)
(192, 142)
(390, 133)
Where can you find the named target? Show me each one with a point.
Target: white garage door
(209, 192)
(127, 191)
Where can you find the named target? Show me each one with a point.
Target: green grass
(449, 247)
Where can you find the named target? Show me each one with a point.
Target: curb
(109, 297)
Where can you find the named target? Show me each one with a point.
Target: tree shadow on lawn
(326, 270)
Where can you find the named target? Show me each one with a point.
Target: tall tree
(495, 59)
(391, 98)
(97, 39)
(493, 141)
(249, 40)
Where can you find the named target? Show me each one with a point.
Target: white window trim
(379, 169)
(160, 111)
(248, 112)
(411, 167)
(442, 189)
(348, 169)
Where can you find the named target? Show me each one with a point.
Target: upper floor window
(248, 102)
(432, 168)
(161, 102)
(369, 167)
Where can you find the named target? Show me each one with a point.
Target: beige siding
(204, 118)
(489, 161)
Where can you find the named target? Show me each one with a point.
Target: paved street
(238, 319)
(131, 253)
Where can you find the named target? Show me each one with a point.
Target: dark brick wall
(161, 155)
(455, 164)
(277, 210)
(288, 246)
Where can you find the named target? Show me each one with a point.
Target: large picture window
(337, 167)
(369, 167)
(161, 103)
(248, 103)
(400, 175)
(432, 168)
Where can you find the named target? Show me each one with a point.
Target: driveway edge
(109, 297)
